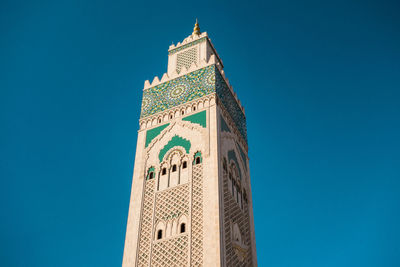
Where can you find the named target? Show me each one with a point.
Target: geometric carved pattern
(172, 203)
(146, 225)
(197, 216)
(233, 213)
(186, 59)
(171, 252)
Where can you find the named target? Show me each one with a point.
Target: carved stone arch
(197, 158)
(163, 176)
(182, 228)
(151, 173)
(239, 246)
(174, 157)
(184, 169)
(164, 164)
(174, 152)
(212, 100)
(174, 228)
(234, 169)
(160, 225)
(236, 233)
(191, 133)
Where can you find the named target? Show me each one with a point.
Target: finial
(196, 29)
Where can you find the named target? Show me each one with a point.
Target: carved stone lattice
(171, 252)
(197, 216)
(146, 225)
(172, 203)
(232, 212)
(186, 59)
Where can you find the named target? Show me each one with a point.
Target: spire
(196, 29)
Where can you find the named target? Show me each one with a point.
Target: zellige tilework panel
(178, 91)
(230, 104)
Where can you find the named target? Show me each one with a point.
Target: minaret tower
(191, 201)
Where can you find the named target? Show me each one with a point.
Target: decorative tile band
(191, 86)
(230, 104)
(178, 91)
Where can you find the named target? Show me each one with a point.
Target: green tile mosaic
(172, 93)
(230, 104)
(197, 154)
(189, 87)
(199, 118)
(151, 134)
(151, 169)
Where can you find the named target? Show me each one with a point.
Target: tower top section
(194, 50)
(194, 70)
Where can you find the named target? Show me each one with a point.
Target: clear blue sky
(320, 83)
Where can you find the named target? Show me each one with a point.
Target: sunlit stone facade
(191, 201)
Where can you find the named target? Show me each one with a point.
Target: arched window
(150, 173)
(159, 234)
(197, 158)
(164, 171)
(174, 168)
(184, 165)
(194, 108)
(183, 228)
(183, 112)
